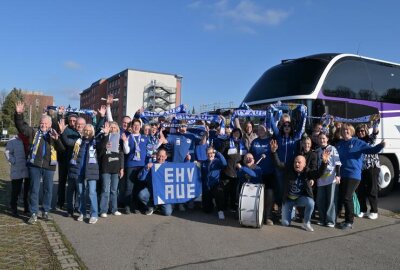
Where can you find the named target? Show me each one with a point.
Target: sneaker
(373, 215)
(116, 213)
(149, 211)
(269, 222)
(221, 215)
(360, 215)
(127, 210)
(80, 218)
(32, 220)
(182, 208)
(319, 223)
(93, 220)
(46, 216)
(307, 227)
(330, 225)
(103, 215)
(346, 226)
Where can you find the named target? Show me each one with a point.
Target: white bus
(343, 85)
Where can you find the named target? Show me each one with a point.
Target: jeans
(82, 185)
(146, 198)
(36, 174)
(287, 209)
(109, 192)
(327, 203)
(72, 189)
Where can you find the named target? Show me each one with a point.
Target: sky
(219, 47)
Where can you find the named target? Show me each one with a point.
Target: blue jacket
(211, 170)
(252, 175)
(261, 146)
(351, 155)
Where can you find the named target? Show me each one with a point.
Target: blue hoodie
(210, 170)
(351, 155)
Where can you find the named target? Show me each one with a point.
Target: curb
(65, 257)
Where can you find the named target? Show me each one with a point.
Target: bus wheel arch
(388, 174)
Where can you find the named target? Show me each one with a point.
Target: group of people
(113, 161)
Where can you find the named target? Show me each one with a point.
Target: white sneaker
(182, 208)
(93, 220)
(373, 215)
(221, 215)
(307, 227)
(117, 213)
(80, 218)
(103, 215)
(360, 215)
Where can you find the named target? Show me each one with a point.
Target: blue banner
(175, 182)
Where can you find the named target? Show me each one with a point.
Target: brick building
(35, 102)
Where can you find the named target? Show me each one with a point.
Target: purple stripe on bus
(379, 105)
(392, 114)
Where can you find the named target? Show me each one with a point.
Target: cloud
(195, 5)
(70, 64)
(209, 27)
(248, 12)
(245, 16)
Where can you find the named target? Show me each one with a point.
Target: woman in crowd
(328, 183)
(351, 150)
(213, 188)
(233, 150)
(368, 187)
(111, 159)
(84, 170)
(16, 153)
(260, 148)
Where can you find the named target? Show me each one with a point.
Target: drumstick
(262, 157)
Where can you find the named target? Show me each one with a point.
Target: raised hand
(106, 128)
(53, 134)
(61, 125)
(123, 137)
(110, 100)
(149, 165)
(274, 146)
(102, 111)
(19, 107)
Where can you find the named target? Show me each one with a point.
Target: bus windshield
(297, 77)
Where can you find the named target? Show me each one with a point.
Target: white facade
(138, 81)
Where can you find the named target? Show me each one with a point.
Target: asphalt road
(193, 240)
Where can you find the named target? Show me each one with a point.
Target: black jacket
(109, 162)
(291, 175)
(41, 161)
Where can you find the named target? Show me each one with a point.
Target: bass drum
(251, 205)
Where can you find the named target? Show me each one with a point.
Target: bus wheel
(386, 176)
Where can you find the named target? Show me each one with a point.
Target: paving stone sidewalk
(24, 246)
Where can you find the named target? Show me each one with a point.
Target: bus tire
(386, 177)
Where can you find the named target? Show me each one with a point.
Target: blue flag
(175, 182)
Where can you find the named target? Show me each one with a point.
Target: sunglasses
(286, 125)
(361, 130)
